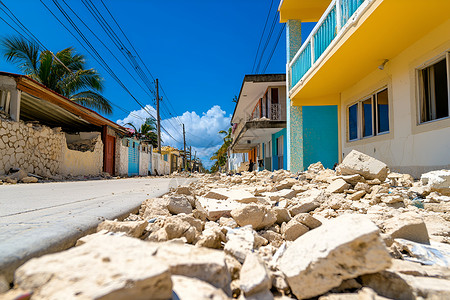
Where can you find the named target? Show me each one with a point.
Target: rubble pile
(359, 232)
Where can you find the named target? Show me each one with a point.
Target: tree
(72, 80)
(147, 131)
(221, 155)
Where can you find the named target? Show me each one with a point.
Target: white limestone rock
(254, 277)
(438, 181)
(275, 196)
(107, 267)
(359, 163)
(240, 242)
(340, 249)
(409, 226)
(187, 288)
(338, 186)
(258, 216)
(178, 204)
(130, 228)
(215, 209)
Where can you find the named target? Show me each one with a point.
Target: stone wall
(33, 148)
(42, 150)
(144, 160)
(121, 158)
(82, 163)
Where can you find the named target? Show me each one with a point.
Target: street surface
(36, 219)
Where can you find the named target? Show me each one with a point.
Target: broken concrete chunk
(254, 276)
(409, 226)
(316, 167)
(343, 248)
(282, 214)
(106, 267)
(183, 190)
(186, 288)
(400, 286)
(359, 163)
(202, 263)
(307, 220)
(293, 229)
(178, 204)
(259, 216)
(211, 237)
(216, 209)
(356, 196)
(240, 242)
(438, 181)
(352, 179)
(285, 184)
(240, 195)
(154, 207)
(338, 186)
(306, 205)
(130, 228)
(275, 196)
(234, 266)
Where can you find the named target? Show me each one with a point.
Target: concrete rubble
(360, 232)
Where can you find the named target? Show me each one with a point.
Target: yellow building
(373, 75)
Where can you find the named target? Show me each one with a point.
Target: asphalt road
(36, 219)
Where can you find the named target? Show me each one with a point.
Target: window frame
(373, 97)
(419, 84)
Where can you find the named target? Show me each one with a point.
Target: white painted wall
(409, 147)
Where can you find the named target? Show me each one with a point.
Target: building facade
(259, 124)
(373, 75)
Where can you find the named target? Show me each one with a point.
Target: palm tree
(71, 80)
(147, 130)
(221, 155)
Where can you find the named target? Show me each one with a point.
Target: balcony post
(338, 15)
(293, 44)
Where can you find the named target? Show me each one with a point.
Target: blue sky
(199, 51)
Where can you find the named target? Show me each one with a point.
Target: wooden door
(109, 154)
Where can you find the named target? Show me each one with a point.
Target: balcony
(368, 34)
(338, 16)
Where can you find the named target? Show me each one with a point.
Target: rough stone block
(340, 249)
(359, 163)
(107, 267)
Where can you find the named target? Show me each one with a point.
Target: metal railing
(275, 112)
(332, 22)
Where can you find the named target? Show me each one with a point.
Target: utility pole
(190, 156)
(184, 145)
(158, 118)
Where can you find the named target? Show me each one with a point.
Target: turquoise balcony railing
(332, 22)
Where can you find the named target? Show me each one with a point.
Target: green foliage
(221, 155)
(74, 82)
(147, 131)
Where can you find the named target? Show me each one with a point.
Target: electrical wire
(273, 49)
(262, 35)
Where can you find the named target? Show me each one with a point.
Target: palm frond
(93, 100)
(22, 53)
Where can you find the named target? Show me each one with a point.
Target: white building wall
(408, 147)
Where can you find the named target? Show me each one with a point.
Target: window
(369, 117)
(165, 157)
(434, 93)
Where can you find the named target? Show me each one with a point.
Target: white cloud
(202, 131)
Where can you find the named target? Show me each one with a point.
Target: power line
(262, 35)
(273, 49)
(97, 58)
(269, 36)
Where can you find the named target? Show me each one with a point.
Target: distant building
(373, 75)
(259, 124)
